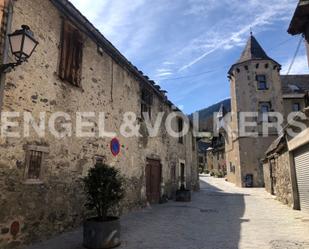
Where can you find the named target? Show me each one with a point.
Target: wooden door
(153, 181)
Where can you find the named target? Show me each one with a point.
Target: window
(201, 159)
(296, 107)
(264, 109)
(180, 129)
(146, 102)
(34, 161)
(71, 54)
(261, 82)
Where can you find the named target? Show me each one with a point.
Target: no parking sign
(115, 146)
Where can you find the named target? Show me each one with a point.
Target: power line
(295, 55)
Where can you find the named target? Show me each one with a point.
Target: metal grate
(35, 161)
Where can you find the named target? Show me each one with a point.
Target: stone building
(202, 154)
(257, 87)
(286, 166)
(216, 161)
(75, 69)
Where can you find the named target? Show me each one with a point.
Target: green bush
(104, 189)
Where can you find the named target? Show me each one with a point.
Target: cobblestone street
(220, 216)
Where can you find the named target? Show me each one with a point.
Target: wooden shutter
(71, 54)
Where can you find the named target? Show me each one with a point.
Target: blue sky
(187, 46)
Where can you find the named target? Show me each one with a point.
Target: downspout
(9, 16)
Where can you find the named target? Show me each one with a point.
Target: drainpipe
(8, 7)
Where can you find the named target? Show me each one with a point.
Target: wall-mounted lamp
(22, 45)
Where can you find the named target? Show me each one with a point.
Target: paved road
(220, 216)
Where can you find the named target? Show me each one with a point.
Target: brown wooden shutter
(71, 54)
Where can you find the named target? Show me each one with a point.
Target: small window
(71, 54)
(34, 162)
(264, 108)
(296, 107)
(201, 159)
(146, 103)
(180, 129)
(261, 82)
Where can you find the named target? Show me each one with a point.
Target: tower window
(264, 109)
(261, 82)
(296, 107)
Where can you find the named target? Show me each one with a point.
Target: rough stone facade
(55, 204)
(277, 176)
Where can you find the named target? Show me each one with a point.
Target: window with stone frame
(34, 162)
(70, 67)
(146, 103)
(296, 107)
(261, 82)
(264, 109)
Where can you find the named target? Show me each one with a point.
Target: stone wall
(277, 176)
(56, 203)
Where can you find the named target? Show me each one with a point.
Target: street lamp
(22, 45)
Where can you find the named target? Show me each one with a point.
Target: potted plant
(104, 189)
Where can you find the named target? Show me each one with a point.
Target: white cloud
(233, 37)
(300, 66)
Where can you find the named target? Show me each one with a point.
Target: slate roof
(275, 144)
(252, 51)
(292, 84)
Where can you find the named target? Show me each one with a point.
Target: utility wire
(295, 55)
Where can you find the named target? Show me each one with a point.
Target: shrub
(104, 189)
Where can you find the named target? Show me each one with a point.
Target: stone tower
(255, 87)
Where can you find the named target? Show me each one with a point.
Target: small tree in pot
(104, 190)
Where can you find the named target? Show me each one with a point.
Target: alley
(221, 216)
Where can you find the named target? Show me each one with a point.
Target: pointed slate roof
(252, 51)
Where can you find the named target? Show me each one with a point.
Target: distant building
(257, 87)
(202, 155)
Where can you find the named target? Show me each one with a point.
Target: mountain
(206, 115)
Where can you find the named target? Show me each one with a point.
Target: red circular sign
(15, 228)
(115, 146)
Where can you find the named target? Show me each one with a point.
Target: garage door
(302, 173)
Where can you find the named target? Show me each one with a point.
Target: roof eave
(230, 72)
(300, 18)
(71, 11)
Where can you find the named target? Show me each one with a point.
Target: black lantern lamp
(22, 45)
